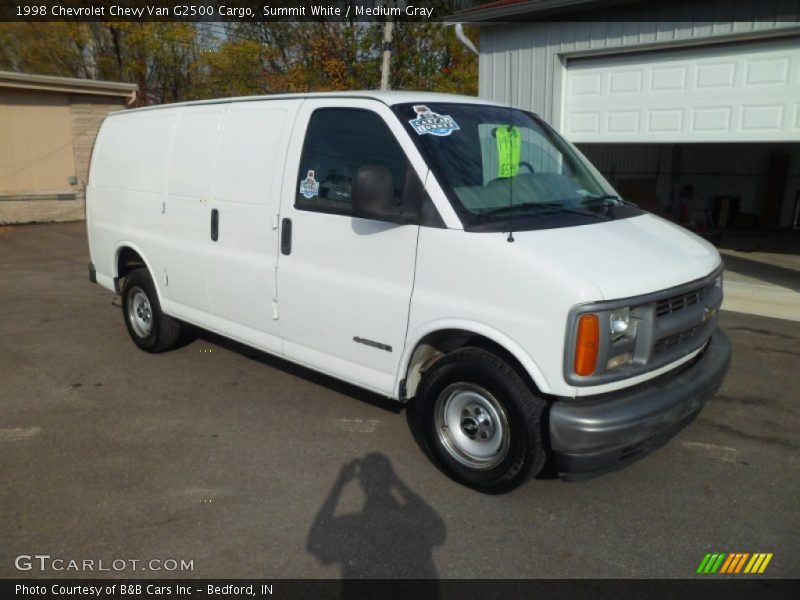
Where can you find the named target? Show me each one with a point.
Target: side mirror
(372, 195)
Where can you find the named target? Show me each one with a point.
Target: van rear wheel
(149, 328)
(481, 422)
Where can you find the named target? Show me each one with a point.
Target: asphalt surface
(252, 467)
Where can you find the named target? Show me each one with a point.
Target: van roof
(387, 97)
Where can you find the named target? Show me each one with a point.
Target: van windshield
(505, 168)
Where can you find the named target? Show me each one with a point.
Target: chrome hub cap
(472, 426)
(140, 314)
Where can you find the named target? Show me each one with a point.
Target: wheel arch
(438, 339)
(127, 257)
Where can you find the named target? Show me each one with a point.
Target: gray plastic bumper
(593, 436)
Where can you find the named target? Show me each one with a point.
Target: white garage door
(719, 93)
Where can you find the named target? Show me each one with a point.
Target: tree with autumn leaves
(178, 61)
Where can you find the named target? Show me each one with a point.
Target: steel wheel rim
(140, 314)
(472, 426)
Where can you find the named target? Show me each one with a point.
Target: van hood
(626, 257)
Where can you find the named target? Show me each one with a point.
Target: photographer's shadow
(393, 535)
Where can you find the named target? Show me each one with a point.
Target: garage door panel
(767, 117)
(711, 119)
(584, 123)
(623, 121)
(735, 92)
(626, 82)
(665, 121)
(716, 76)
(668, 79)
(588, 84)
(767, 70)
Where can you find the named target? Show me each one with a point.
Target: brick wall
(87, 113)
(27, 210)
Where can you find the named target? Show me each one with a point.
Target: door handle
(286, 236)
(214, 224)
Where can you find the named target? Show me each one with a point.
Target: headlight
(620, 322)
(612, 340)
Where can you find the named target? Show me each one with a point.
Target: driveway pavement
(762, 283)
(248, 466)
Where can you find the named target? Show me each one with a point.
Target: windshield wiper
(601, 197)
(543, 206)
(605, 200)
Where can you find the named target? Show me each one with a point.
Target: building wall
(521, 63)
(36, 154)
(87, 114)
(46, 141)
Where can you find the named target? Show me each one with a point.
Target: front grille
(667, 306)
(666, 309)
(671, 324)
(671, 340)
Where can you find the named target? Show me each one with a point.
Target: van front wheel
(481, 421)
(149, 328)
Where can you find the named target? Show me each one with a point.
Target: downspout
(465, 41)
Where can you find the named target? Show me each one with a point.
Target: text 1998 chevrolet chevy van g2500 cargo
(429, 247)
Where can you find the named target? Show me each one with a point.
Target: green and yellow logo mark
(735, 562)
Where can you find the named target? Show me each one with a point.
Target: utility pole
(388, 29)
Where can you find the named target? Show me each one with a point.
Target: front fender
(498, 337)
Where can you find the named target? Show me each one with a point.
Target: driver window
(338, 143)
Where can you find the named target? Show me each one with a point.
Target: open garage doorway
(711, 188)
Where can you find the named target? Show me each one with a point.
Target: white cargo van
(427, 247)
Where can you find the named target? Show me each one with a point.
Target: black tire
(149, 328)
(455, 387)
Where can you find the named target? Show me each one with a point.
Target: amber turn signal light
(586, 344)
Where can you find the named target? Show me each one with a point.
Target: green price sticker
(509, 146)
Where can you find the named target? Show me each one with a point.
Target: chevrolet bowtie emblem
(708, 313)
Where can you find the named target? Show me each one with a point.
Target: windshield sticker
(430, 122)
(509, 148)
(309, 187)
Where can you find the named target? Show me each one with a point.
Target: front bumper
(594, 436)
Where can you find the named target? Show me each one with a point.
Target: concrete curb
(761, 299)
